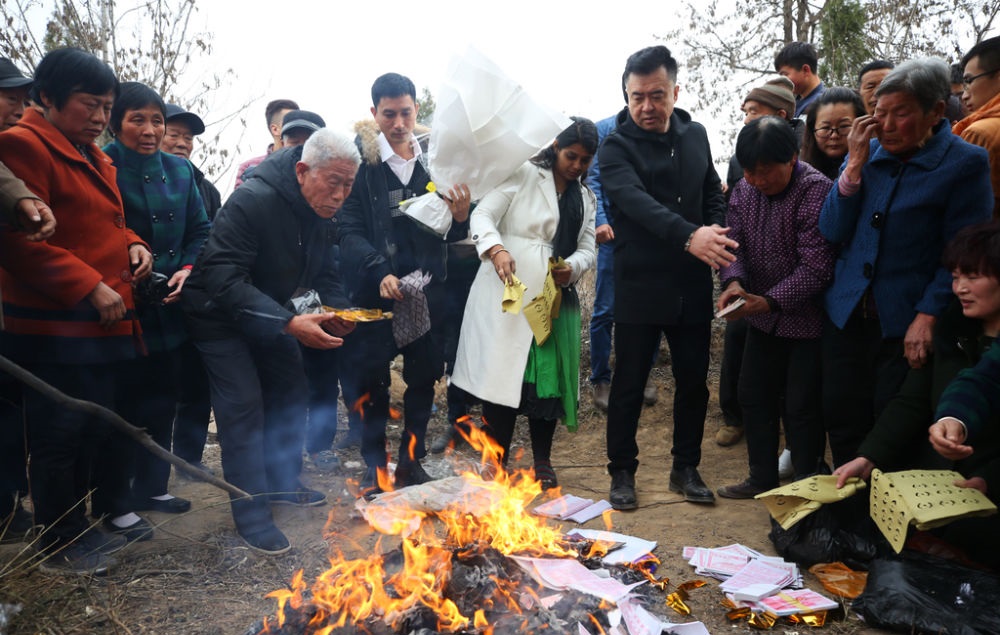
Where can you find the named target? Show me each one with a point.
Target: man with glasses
(982, 98)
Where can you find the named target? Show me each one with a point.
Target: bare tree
(727, 47)
(152, 41)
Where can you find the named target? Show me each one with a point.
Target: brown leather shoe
(729, 435)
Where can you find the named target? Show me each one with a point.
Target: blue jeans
(603, 317)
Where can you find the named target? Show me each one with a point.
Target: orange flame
(395, 414)
(359, 404)
(359, 591)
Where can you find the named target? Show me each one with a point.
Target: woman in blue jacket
(907, 187)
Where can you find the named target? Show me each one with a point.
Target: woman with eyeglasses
(907, 187)
(828, 120)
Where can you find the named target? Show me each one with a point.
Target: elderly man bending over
(271, 239)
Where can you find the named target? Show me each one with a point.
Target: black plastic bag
(838, 532)
(917, 593)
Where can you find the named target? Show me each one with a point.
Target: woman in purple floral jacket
(783, 264)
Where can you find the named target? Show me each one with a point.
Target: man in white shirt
(379, 245)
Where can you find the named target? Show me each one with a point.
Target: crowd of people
(851, 241)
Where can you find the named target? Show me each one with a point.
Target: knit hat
(776, 93)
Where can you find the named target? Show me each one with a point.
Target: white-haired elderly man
(271, 239)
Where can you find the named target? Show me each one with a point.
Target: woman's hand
(863, 130)
(562, 275)
(754, 303)
(177, 282)
(108, 303)
(141, 261)
(947, 437)
(917, 342)
(860, 467)
(503, 264)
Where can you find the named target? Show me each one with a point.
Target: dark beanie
(776, 93)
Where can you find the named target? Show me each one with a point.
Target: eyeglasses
(841, 131)
(967, 80)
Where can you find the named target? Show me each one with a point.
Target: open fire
(455, 571)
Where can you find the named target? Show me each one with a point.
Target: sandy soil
(197, 577)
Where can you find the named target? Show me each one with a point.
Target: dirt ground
(196, 577)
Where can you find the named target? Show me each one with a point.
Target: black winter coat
(266, 243)
(662, 187)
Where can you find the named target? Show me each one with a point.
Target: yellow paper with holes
(544, 307)
(923, 498)
(791, 503)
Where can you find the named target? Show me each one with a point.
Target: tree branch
(137, 434)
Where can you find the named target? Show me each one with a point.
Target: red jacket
(47, 315)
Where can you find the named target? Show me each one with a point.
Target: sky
(326, 55)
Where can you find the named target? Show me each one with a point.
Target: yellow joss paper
(676, 601)
(738, 614)
(814, 620)
(762, 621)
(359, 315)
(542, 309)
(691, 584)
(791, 503)
(513, 296)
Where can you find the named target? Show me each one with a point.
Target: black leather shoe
(687, 481)
(368, 487)
(269, 541)
(173, 505)
(622, 496)
(411, 473)
(744, 489)
(136, 532)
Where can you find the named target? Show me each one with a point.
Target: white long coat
(522, 214)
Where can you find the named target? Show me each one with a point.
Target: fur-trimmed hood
(367, 139)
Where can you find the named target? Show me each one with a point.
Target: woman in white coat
(543, 211)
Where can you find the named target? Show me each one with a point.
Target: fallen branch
(139, 435)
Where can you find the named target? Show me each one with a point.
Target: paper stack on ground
(574, 508)
(762, 583)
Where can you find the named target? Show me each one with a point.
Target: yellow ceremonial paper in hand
(544, 307)
(923, 498)
(513, 296)
(791, 503)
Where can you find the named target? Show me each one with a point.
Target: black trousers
(635, 345)
(64, 446)
(13, 448)
(729, 372)
(329, 372)
(372, 350)
(862, 371)
(259, 396)
(194, 405)
(776, 367)
(500, 422)
(147, 399)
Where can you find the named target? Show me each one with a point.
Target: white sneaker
(785, 469)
